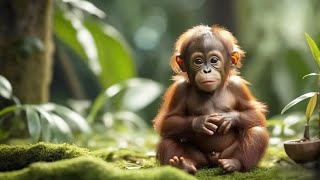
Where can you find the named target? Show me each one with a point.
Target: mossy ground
(52, 161)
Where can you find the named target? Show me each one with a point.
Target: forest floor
(65, 161)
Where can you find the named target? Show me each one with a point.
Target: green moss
(71, 162)
(126, 158)
(90, 168)
(20, 156)
(277, 172)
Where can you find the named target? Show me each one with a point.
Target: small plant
(314, 96)
(44, 122)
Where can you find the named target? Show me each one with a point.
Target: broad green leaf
(297, 100)
(311, 74)
(5, 88)
(47, 124)
(99, 44)
(314, 49)
(45, 115)
(33, 121)
(65, 31)
(72, 118)
(311, 105)
(114, 56)
(140, 93)
(46, 132)
(60, 124)
(61, 131)
(81, 37)
(59, 128)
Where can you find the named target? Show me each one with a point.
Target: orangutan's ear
(180, 62)
(235, 58)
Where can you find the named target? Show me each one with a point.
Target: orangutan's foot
(230, 165)
(183, 164)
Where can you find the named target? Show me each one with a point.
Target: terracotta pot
(303, 151)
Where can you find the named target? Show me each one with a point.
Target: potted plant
(306, 149)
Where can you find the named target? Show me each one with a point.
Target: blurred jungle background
(93, 72)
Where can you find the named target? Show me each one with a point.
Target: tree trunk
(26, 47)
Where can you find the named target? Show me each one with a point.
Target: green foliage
(138, 93)
(314, 49)
(65, 31)
(311, 105)
(115, 59)
(277, 51)
(98, 44)
(34, 124)
(78, 24)
(46, 122)
(312, 95)
(297, 100)
(55, 123)
(115, 114)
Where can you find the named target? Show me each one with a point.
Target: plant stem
(306, 135)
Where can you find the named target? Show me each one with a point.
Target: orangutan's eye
(214, 59)
(198, 61)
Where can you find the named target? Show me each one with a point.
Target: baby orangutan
(209, 117)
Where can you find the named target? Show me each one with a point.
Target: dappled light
(148, 36)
